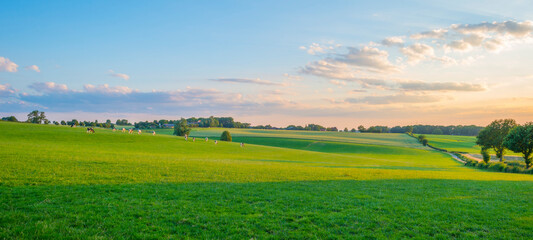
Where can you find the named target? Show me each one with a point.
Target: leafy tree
(437, 131)
(36, 117)
(10, 119)
(425, 141)
(421, 138)
(63, 122)
(353, 130)
(181, 128)
(345, 129)
(485, 154)
(409, 129)
(520, 139)
(361, 128)
(226, 136)
(494, 134)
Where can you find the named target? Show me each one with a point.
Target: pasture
(60, 182)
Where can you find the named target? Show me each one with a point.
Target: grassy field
(60, 182)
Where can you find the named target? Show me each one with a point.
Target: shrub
(226, 136)
(481, 165)
(424, 142)
(500, 167)
(485, 154)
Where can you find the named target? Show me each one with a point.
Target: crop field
(60, 182)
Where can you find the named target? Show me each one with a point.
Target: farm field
(60, 182)
(467, 144)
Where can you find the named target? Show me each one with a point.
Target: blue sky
(338, 63)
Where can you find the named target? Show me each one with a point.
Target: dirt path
(474, 158)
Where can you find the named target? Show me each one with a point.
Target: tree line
(505, 134)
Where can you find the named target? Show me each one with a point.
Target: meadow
(60, 182)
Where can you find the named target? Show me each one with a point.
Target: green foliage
(10, 119)
(425, 141)
(493, 135)
(409, 129)
(520, 140)
(421, 138)
(485, 154)
(37, 117)
(437, 131)
(226, 136)
(181, 128)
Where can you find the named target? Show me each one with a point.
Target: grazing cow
(114, 130)
(130, 131)
(90, 130)
(123, 129)
(206, 139)
(216, 142)
(153, 133)
(193, 139)
(139, 132)
(242, 144)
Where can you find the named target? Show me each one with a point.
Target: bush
(499, 167)
(424, 142)
(485, 154)
(226, 136)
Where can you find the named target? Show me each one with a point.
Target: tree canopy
(494, 134)
(520, 140)
(226, 136)
(37, 117)
(181, 128)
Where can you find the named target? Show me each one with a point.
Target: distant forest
(229, 122)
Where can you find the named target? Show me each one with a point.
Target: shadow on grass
(308, 209)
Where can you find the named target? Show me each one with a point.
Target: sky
(334, 63)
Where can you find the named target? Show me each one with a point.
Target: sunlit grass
(60, 182)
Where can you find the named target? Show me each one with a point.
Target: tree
(10, 119)
(353, 130)
(345, 129)
(409, 129)
(520, 139)
(63, 122)
(361, 128)
(493, 135)
(485, 154)
(421, 138)
(36, 117)
(181, 128)
(425, 141)
(437, 131)
(226, 136)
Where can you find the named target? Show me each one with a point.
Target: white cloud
(316, 48)
(247, 80)
(368, 58)
(441, 86)
(435, 34)
(119, 75)
(49, 87)
(418, 52)
(7, 65)
(6, 90)
(394, 99)
(513, 28)
(33, 68)
(106, 89)
(393, 41)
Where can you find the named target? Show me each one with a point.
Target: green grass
(59, 182)
(454, 143)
